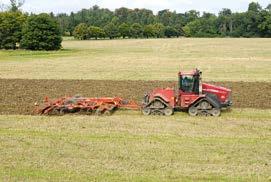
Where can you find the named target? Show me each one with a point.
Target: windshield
(187, 83)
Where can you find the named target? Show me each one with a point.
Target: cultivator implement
(78, 104)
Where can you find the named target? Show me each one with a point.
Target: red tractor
(192, 95)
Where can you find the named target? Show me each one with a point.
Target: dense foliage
(41, 32)
(10, 29)
(135, 23)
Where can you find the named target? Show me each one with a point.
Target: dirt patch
(18, 96)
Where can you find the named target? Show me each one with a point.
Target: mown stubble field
(130, 147)
(153, 59)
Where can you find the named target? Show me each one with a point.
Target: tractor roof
(193, 72)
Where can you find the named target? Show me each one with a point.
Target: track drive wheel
(204, 105)
(168, 111)
(146, 111)
(216, 112)
(193, 111)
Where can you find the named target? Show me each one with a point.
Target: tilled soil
(18, 96)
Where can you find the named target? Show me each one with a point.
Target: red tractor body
(196, 97)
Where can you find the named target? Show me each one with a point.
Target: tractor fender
(209, 98)
(159, 99)
(212, 99)
(162, 96)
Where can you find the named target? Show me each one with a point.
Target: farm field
(153, 59)
(128, 146)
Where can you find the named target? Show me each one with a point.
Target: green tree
(41, 32)
(165, 17)
(15, 5)
(81, 31)
(124, 30)
(203, 27)
(225, 22)
(149, 31)
(122, 14)
(191, 15)
(159, 29)
(191, 28)
(253, 19)
(11, 29)
(136, 30)
(179, 29)
(72, 23)
(64, 21)
(96, 32)
(141, 16)
(253, 6)
(111, 31)
(171, 32)
(239, 25)
(265, 25)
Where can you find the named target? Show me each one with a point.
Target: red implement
(76, 104)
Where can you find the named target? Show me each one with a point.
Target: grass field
(129, 147)
(154, 59)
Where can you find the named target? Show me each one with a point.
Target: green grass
(153, 59)
(131, 147)
(22, 55)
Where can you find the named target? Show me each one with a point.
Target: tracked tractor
(191, 95)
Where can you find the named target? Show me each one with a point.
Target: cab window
(187, 83)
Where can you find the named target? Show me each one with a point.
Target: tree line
(44, 31)
(136, 30)
(97, 22)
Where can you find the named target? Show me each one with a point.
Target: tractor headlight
(229, 99)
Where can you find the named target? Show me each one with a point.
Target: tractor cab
(190, 88)
(190, 82)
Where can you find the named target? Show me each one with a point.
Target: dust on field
(18, 96)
